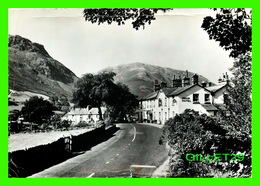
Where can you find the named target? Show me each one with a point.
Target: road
(132, 144)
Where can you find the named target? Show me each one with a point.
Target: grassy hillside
(140, 77)
(32, 69)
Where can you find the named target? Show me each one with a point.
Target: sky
(174, 40)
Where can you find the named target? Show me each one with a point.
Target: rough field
(27, 140)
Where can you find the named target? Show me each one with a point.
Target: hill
(140, 77)
(32, 69)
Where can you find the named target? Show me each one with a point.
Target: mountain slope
(31, 68)
(140, 77)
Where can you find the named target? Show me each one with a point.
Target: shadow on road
(86, 141)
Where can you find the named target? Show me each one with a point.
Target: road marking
(117, 155)
(91, 175)
(134, 132)
(107, 162)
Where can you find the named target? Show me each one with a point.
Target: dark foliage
(200, 134)
(37, 110)
(122, 103)
(100, 90)
(140, 16)
(94, 90)
(60, 103)
(13, 115)
(231, 28)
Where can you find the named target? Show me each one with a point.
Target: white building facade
(165, 102)
(77, 115)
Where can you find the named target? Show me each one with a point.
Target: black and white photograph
(129, 93)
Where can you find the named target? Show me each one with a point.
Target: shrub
(82, 124)
(200, 134)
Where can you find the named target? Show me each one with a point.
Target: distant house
(88, 115)
(185, 93)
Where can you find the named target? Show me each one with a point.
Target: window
(140, 105)
(165, 115)
(196, 98)
(172, 113)
(173, 101)
(165, 102)
(207, 98)
(225, 98)
(159, 102)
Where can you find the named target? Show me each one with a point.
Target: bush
(82, 124)
(64, 124)
(200, 134)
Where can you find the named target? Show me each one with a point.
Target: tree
(122, 103)
(140, 16)
(100, 89)
(232, 29)
(14, 115)
(94, 90)
(37, 110)
(59, 103)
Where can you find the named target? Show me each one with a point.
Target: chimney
(156, 85)
(163, 84)
(204, 84)
(219, 80)
(210, 84)
(176, 82)
(226, 76)
(186, 80)
(195, 79)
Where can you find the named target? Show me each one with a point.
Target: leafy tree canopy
(100, 89)
(37, 110)
(232, 28)
(140, 16)
(122, 102)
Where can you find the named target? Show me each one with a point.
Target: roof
(216, 88)
(152, 95)
(78, 111)
(85, 111)
(168, 90)
(209, 107)
(94, 110)
(171, 91)
(58, 112)
(180, 90)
